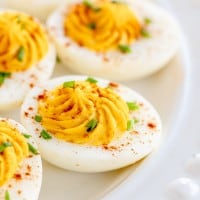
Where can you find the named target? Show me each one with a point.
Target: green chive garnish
(132, 105)
(124, 48)
(114, 1)
(97, 9)
(91, 80)
(136, 121)
(147, 20)
(32, 149)
(88, 4)
(7, 195)
(27, 136)
(69, 84)
(20, 22)
(4, 145)
(38, 118)
(20, 54)
(58, 59)
(92, 25)
(130, 124)
(3, 76)
(145, 33)
(45, 135)
(92, 124)
(18, 19)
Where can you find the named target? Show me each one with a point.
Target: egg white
(84, 158)
(37, 8)
(14, 88)
(28, 187)
(148, 54)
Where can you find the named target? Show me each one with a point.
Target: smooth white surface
(166, 90)
(182, 188)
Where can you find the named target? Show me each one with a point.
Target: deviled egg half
(27, 57)
(90, 125)
(37, 8)
(20, 163)
(119, 40)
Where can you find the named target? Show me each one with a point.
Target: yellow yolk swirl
(66, 113)
(13, 155)
(23, 42)
(102, 26)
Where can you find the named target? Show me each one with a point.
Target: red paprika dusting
(105, 59)
(110, 148)
(41, 96)
(31, 85)
(28, 168)
(26, 114)
(135, 132)
(18, 176)
(19, 191)
(112, 84)
(141, 104)
(67, 44)
(30, 108)
(151, 125)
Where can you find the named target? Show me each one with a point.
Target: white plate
(166, 90)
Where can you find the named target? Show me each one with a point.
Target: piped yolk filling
(102, 26)
(84, 114)
(23, 42)
(13, 149)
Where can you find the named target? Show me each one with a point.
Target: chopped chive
(69, 84)
(136, 121)
(2, 79)
(26, 135)
(45, 135)
(88, 4)
(114, 1)
(145, 33)
(3, 76)
(124, 48)
(7, 195)
(92, 124)
(4, 145)
(32, 149)
(20, 22)
(97, 9)
(132, 105)
(20, 54)
(58, 60)
(23, 26)
(91, 80)
(147, 20)
(92, 25)
(18, 19)
(38, 118)
(130, 124)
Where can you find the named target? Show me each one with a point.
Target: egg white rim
(75, 150)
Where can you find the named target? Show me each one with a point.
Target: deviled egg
(27, 56)
(118, 40)
(87, 124)
(20, 163)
